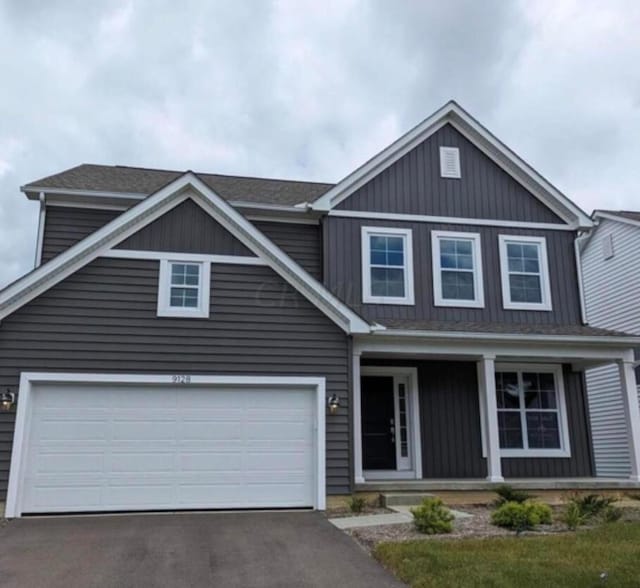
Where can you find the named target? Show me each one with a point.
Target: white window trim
(563, 423)
(478, 285)
(164, 289)
(406, 234)
(545, 284)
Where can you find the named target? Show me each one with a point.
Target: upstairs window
(525, 273)
(387, 266)
(531, 411)
(449, 162)
(457, 269)
(184, 288)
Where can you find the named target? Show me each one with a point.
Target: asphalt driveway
(225, 550)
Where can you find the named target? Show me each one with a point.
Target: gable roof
(452, 113)
(188, 185)
(626, 216)
(138, 182)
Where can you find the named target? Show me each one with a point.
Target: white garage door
(132, 447)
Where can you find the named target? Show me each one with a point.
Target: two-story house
(611, 277)
(194, 340)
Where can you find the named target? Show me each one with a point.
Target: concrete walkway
(401, 514)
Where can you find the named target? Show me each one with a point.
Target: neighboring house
(204, 341)
(611, 278)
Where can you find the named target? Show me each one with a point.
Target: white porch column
(487, 384)
(357, 418)
(631, 413)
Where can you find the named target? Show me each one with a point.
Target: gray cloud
(309, 90)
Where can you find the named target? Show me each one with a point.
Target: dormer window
(184, 288)
(449, 162)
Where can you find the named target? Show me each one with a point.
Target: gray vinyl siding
(611, 290)
(451, 432)
(65, 225)
(413, 185)
(186, 229)
(103, 319)
(343, 274)
(301, 242)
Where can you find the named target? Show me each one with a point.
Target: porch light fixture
(7, 400)
(333, 402)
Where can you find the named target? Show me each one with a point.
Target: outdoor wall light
(333, 402)
(7, 400)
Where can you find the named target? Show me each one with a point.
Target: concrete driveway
(226, 550)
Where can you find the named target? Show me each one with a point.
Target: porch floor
(483, 484)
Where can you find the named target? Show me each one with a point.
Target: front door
(378, 423)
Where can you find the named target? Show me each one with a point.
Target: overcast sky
(309, 90)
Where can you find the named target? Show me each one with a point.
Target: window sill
(524, 306)
(177, 313)
(460, 303)
(552, 453)
(385, 300)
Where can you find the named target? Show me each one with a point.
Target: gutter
(41, 223)
(578, 245)
(631, 340)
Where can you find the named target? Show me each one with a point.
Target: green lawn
(567, 560)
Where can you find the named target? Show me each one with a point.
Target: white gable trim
(614, 217)
(132, 220)
(453, 114)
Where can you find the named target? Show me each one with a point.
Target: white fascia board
(132, 220)
(452, 113)
(614, 217)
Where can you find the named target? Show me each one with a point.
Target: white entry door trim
(407, 467)
(25, 401)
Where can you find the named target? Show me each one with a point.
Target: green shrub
(573, 517)
(593, 505)
(582, 509)
(508, 493)
(432, 517)
(633, 495)
(356, 503)
(520, 516)
(611, 514)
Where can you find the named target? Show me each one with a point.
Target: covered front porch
(441, 411)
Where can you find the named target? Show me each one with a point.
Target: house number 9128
(181, 379)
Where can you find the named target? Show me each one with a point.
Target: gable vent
(607, 247)
(449, 162)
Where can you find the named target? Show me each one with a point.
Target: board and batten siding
(343, 274)
(612, 297)
(412, 185)
(103, 319)
(451, 431)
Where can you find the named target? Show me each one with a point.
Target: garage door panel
(139, 447)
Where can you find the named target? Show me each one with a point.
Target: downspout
(41, 221)
(578, 244)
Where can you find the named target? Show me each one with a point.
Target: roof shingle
(501, 328)
(136, 180)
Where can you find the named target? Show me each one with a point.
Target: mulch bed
(477, 526)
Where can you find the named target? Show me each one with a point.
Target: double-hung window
(525, 273)
(457, 269)
(532, 419)
(184, 288)
(387, 265)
